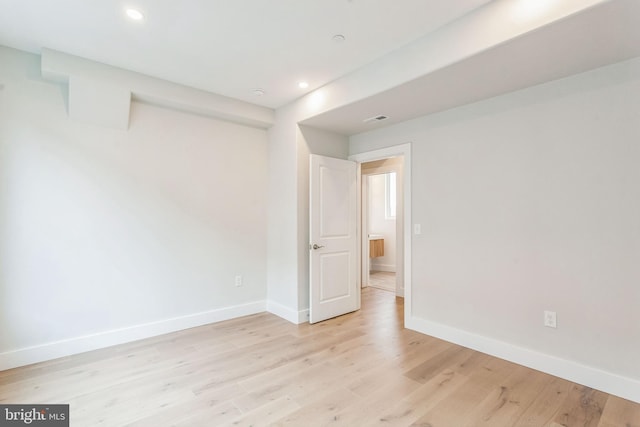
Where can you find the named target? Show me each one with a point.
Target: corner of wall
(608, 382)
(293, 316)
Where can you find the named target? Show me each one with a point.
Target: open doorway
(381, 224)
(403, 212)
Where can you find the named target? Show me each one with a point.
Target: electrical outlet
(417, 229)
(550, 319)
(238, 280)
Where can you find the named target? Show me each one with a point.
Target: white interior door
(333, 246)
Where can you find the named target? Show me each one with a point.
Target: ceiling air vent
(375, 119)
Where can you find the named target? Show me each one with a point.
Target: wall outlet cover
(550, 319)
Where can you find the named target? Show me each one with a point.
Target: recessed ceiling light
(303, 85)
(524, 10)
(338, 38)
(258, 92)
(135, 14)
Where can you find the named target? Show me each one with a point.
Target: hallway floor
(384, 280)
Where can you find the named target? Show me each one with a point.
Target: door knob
(316, 246)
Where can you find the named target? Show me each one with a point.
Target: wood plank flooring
(384, 280)
(361, 369)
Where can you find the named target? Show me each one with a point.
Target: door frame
(383, 153)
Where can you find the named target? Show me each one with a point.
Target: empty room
(310, 213)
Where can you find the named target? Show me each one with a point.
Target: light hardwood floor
(361, 369)
(384, 280)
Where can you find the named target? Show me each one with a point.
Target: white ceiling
(229, 47)
(595, 37)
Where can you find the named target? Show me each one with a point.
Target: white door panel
(333, 259)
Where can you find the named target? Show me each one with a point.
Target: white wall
(529, 202)
(282, 244)
(288, 168)
(378, 223)
(106, 230)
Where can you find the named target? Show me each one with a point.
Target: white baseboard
(54, 350)
(383, 267)
(287, 313)
(608, 382)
